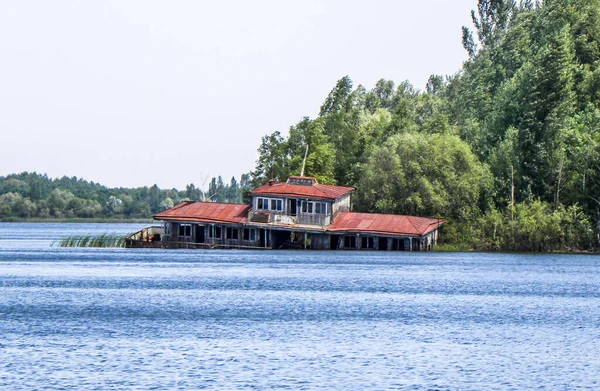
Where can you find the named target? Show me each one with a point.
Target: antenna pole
(304, 161)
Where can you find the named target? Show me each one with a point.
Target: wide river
(125, 319)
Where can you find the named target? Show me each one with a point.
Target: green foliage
(526, 88)
(423, 174)
(535, 226)
(272, 160)
(35, 196)
(102, 240)
(337, 99)
(525, 105)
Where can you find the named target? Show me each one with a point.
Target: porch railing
(288, 219)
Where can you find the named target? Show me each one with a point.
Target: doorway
(199, 234)
(382, 244)
(262, 239)
(292, 207)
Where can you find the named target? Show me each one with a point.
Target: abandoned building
(299, 213)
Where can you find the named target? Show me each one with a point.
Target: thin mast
(304, 161)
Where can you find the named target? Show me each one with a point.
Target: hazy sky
(132, 93)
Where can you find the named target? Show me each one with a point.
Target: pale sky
(133, 93)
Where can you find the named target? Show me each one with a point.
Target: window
(302, 181)
(249, 234)
(321, 208)
(314, 207)
(231, 233)
(367, 242)
(349, 241)
(214, 232)
(269, 204)
(167, 228)
(185, 230)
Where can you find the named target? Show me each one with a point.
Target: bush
(534, 226)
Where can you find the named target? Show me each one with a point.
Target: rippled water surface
(110, 319)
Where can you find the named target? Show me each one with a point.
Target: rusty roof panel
(207, 212)
(384, 224)
(317, 190)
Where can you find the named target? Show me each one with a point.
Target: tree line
(507, 148)
(36, 196)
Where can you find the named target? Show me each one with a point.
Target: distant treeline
(36, 196)
(507, 149)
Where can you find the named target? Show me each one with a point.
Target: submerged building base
(225, 236)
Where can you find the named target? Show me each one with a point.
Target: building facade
(298, 213)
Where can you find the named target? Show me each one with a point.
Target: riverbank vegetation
(507, 149)
(102, 240)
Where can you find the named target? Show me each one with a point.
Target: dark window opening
(200, 233)
(334, 242)
(214, 232)
(367, 242)
(276, 204)
(301, 181)
(231, 233)
(249, 234)
(314, 207)
(269, 204)
(383, 244)
(350, 241)
(185, 230)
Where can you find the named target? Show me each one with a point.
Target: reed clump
(102, 240)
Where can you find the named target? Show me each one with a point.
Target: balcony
(276, 218)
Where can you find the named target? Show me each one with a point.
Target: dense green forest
(506, 149)
(34, 196)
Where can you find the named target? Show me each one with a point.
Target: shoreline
(82, 220)
(445, 247)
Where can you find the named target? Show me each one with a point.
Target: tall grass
(452, 247)
(102, 240)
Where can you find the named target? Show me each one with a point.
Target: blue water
(117, 319)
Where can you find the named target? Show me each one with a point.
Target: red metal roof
(384, 224)
(206, 212)
(317, 190)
